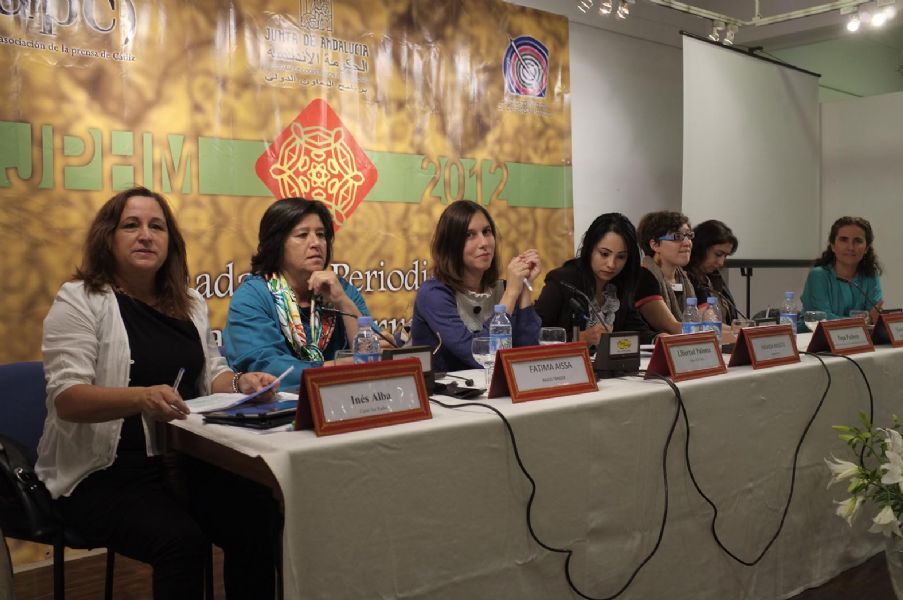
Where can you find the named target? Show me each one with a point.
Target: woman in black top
(594, 291)
(713, 243)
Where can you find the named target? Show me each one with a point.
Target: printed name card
(841, 336)
(889, 329)
(353, 397)
(765, 347)
(686, 356)
(536, 372)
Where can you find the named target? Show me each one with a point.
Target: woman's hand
(248, 383)
(326, 285)
(591, 336)
(531, 258)
(162, 403)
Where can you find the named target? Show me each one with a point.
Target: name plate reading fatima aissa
(686, 356)
(536, 372)
(765, 347)
(841, 336)
(889, 329)
(353, 397)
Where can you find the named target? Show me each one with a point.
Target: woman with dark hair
(713, 242)
(293, 311)
(115, 340)
(456, 304)
(666, 239)
(604, 274)
(845, 277)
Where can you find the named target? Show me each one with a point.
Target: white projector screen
(751, 151)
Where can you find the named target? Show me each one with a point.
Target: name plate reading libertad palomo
(537, 372)
(765, 347)
(686, 356)
(353, 397)
(841, 336)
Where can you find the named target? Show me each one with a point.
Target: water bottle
(366, 345)
(790, 310)
(499, 330)
(711, 317)
(690, 321)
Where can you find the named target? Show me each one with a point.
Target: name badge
(841, 336)
(354, 397)
(889, 329)
(537, 372)
(687, 356)
(677, 287)
(765, 347)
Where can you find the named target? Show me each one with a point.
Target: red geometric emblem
(316, 157)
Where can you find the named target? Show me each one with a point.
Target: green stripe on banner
(226, 167)
(539, 186)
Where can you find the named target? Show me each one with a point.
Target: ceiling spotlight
(623, 10)
(729, 35)
(879, 18)
(890, 11)
(717, 26)
(605, 8)
(584, 5)
(853, 23)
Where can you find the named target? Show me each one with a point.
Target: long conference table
(436, 509)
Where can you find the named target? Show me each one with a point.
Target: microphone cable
(682, 409)
(567, 551)
(867, 387)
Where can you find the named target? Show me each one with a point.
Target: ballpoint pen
(175, 386)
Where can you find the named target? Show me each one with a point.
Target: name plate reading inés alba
(765, 347)
(841, 336)
(353, 397)
(536, 372)
(686, 356)
(889, 329)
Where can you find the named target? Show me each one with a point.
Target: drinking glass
(862, 314)
(551, 335)
(740, 323)
(812, 317)
(343, 357)
(479, 347)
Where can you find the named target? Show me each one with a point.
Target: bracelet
(235, 379)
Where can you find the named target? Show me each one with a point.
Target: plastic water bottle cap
(500, 308)
(712, 299)
(691, 301)
(788, 295)
(364, 321)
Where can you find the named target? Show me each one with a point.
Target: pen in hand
(175, 386)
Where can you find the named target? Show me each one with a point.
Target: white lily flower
(893, 469)
(894, 441)
(886, 522)
(849, 508)
(842, 470)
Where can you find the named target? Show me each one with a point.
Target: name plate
(842, 336)
(889, 329)
(354, 397)
(537, 372)
(686, 356)
(765, 347)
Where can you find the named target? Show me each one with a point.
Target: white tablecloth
(436, 509)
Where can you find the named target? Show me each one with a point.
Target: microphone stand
(872, 305)
(373, 327)
(589, 303)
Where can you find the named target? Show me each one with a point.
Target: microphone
(850, 282)
(373, 326)
(589, 303)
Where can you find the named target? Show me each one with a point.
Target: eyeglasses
(677, 237)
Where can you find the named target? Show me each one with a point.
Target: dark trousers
(137, 508)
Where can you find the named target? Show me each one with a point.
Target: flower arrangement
(876, 477)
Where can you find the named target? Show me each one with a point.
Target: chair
(22, 414)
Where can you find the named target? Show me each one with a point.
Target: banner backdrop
(386, 110)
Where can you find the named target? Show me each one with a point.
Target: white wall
(862, 175)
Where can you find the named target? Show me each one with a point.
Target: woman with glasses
(845, 276)
(663, 287)
(456, 304)
(594, 291)
(713, 243)
(293, 311)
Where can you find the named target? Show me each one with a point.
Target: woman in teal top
(845, 277)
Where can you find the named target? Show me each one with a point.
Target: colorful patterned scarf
(321, 326)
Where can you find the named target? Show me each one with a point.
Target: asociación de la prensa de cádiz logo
(317, 158)
(526, 67)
